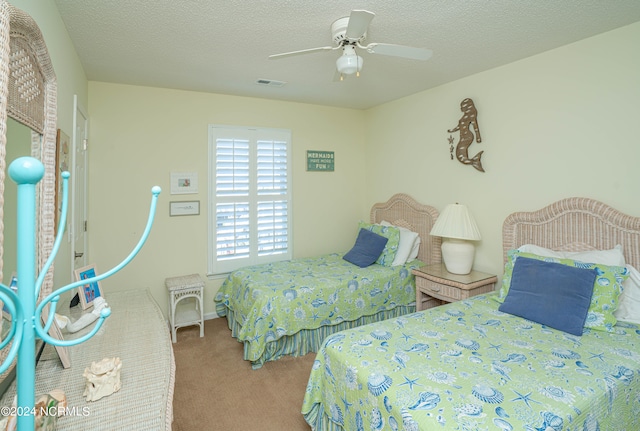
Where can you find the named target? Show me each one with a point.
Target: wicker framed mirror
(28, 92)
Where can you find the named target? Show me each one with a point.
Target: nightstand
(436, 286)
(187, 312)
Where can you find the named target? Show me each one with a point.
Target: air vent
(270, 82)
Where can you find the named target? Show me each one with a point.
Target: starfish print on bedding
(407, 337)
(525, 398)
(410, 382)
(347, 404)
(597, 356)
(495, 346)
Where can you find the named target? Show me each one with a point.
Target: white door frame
(76, 231)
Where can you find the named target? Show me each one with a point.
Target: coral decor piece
(103, 378)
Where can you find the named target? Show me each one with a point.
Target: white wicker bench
(137, 333)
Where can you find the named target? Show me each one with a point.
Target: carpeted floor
(217, 390)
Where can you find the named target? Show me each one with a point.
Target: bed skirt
(306, 340)
(318, 420)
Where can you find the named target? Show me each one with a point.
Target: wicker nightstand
(183, 312)
(435, 285)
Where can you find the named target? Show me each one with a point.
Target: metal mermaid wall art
(469, 118)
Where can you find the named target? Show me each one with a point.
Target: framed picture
(183, 208)
(56, 333)
(184, 183)
(62, 164)
(91, 291)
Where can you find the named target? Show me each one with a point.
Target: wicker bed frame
(574, 224)
(402, 210)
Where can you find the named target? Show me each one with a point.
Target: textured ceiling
(222, 46)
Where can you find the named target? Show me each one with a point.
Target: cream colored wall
(139, 135)
(18, 145)
(71, 80)
(556, 125)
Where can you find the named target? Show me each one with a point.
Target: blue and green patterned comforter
(274, 300)
(468, 366)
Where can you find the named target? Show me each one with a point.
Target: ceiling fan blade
(399, 51)
(359, 21)
(303, 51)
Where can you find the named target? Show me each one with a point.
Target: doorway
(78, 230)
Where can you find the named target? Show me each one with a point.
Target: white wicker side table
(182, 311)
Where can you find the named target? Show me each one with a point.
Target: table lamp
(457, 228)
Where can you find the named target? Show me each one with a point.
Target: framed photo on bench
(90, 291)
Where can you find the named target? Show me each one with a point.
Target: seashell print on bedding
(487, 394)
(531, 377)
(426, 401)
(378, 383)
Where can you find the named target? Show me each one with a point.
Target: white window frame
(253, 135)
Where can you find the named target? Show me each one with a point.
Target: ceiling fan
(349, 34)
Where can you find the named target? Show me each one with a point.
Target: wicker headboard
(403, 210)
(574, 224)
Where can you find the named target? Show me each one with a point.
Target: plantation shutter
(250, 197)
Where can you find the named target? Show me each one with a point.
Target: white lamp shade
(349, 64)
(456, 222)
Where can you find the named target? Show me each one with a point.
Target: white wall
(556, 125)
(139, 135)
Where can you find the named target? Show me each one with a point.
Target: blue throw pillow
(367, 248)
(550, 293)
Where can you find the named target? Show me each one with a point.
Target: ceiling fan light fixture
(349, 64)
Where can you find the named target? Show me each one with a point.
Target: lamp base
(457, 255)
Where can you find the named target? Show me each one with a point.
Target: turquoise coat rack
(27, 322)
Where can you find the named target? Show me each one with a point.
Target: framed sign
(183, 208)
(320, 161)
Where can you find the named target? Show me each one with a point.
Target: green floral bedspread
(468, 366)
(278, 299)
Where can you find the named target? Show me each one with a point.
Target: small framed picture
(184, 183)
(90, 291)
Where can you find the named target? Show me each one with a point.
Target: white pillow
(414, 251)
(405, 246)
(611, 257)
(629, 301)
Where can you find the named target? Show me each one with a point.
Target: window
(249, 197)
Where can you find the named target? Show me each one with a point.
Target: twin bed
(289, 308)
(469, 366)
